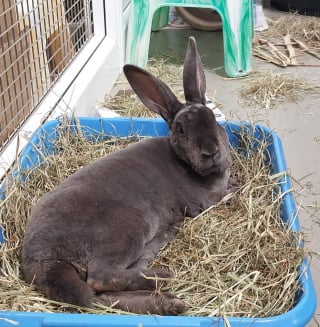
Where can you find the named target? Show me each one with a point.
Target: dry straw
(285, 43)
(298, 26)
(291, 40)
(265, 89)
(236, 259)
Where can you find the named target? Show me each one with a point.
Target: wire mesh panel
(38, 39)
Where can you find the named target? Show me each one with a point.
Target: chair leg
(237, 38)
(160, 19)
(139, 30)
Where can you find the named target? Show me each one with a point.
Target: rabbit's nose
(209, 153)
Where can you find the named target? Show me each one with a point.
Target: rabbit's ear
(154, 93)
(194, 80)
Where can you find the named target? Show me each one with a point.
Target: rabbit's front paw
(233, 185)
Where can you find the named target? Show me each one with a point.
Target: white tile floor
(298, 124)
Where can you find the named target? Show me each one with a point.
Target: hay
(236, 259)
(265, 89)
(298, 26)
(289, 41)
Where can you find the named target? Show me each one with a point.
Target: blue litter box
(299, 315)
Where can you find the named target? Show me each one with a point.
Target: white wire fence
(38, 39)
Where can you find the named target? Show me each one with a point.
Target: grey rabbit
(91, 238)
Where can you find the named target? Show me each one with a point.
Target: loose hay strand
(267, 88)
(235, 259)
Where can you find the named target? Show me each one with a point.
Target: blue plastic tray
(305, 305)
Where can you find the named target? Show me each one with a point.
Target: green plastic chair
(237, 25)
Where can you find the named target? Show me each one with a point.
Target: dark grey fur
(91, 238)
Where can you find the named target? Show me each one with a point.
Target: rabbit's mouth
(213, 165)
(204, 170)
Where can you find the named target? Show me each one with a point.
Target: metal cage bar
(38, 39)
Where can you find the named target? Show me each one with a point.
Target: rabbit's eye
(179, 128)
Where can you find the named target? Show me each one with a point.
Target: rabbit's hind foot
(143, 302)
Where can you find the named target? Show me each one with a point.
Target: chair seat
(237, 26)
